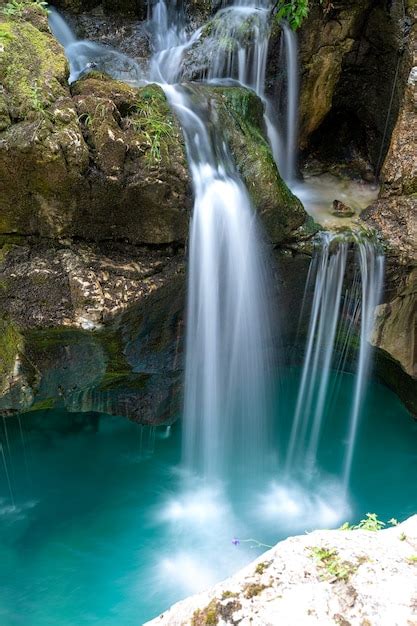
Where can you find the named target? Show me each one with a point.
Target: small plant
(253, 590)
(229, 594)
(412, 559)
(261, 567)
(35, 97)
(330, 561)
(14, 8)
(293, 11)
(86, 119)
(371, 522)
(42, 5)
(5, 35)
(296, 11)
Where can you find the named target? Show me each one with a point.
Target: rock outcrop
(354, 70)
(96, 163)
(107, 161)
(95, 201)
(352, 577)
(394, 215)
(91, 328)
(137, 8)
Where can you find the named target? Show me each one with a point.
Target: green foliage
(261, 567)
(371, 522)
(42, 4)
(412, 559)
(206, 617)
(334, 567)
(15, 8)
(153, 124)
(5, 34)
(253, 590)
(296, 11)
(293, 11)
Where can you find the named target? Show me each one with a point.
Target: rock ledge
(350, 578)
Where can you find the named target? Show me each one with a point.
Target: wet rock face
(395, 212)
(239, 112)
(355, 44)
(91, 328)
(123, 33)
(394, 215)
(137, 8)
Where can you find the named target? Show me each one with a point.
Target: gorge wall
(96, 199)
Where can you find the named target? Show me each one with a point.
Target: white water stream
(227, 418)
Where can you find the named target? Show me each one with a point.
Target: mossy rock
(11, 344)
(33, 69)
(240, 113)
(104, 162)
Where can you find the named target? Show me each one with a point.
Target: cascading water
(227, 440)
(226, 379)
(288, 163)
(328, 273)
(338, 303)
(372, 273)
(84, 56)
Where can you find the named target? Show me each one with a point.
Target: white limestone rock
(326, 578)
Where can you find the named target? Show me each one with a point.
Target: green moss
(332, 566)
(208, 616)
(33, 68)
(241, 113)
(4, 251)
(261, 567)
(229, 594)
(50, 338)
(253, 589)
(42, 405)
(11, 343)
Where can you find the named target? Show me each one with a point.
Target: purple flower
(235, 541)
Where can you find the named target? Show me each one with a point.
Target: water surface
(107, 530)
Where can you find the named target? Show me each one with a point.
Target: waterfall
(60, 29)
(228, 328)
(289, 161)
(225, 416)
(341, 305)
(84, 56)
(328, 273)
(372, 274)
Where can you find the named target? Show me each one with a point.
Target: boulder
(105, 161)
(239, 113)
(340, 209)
